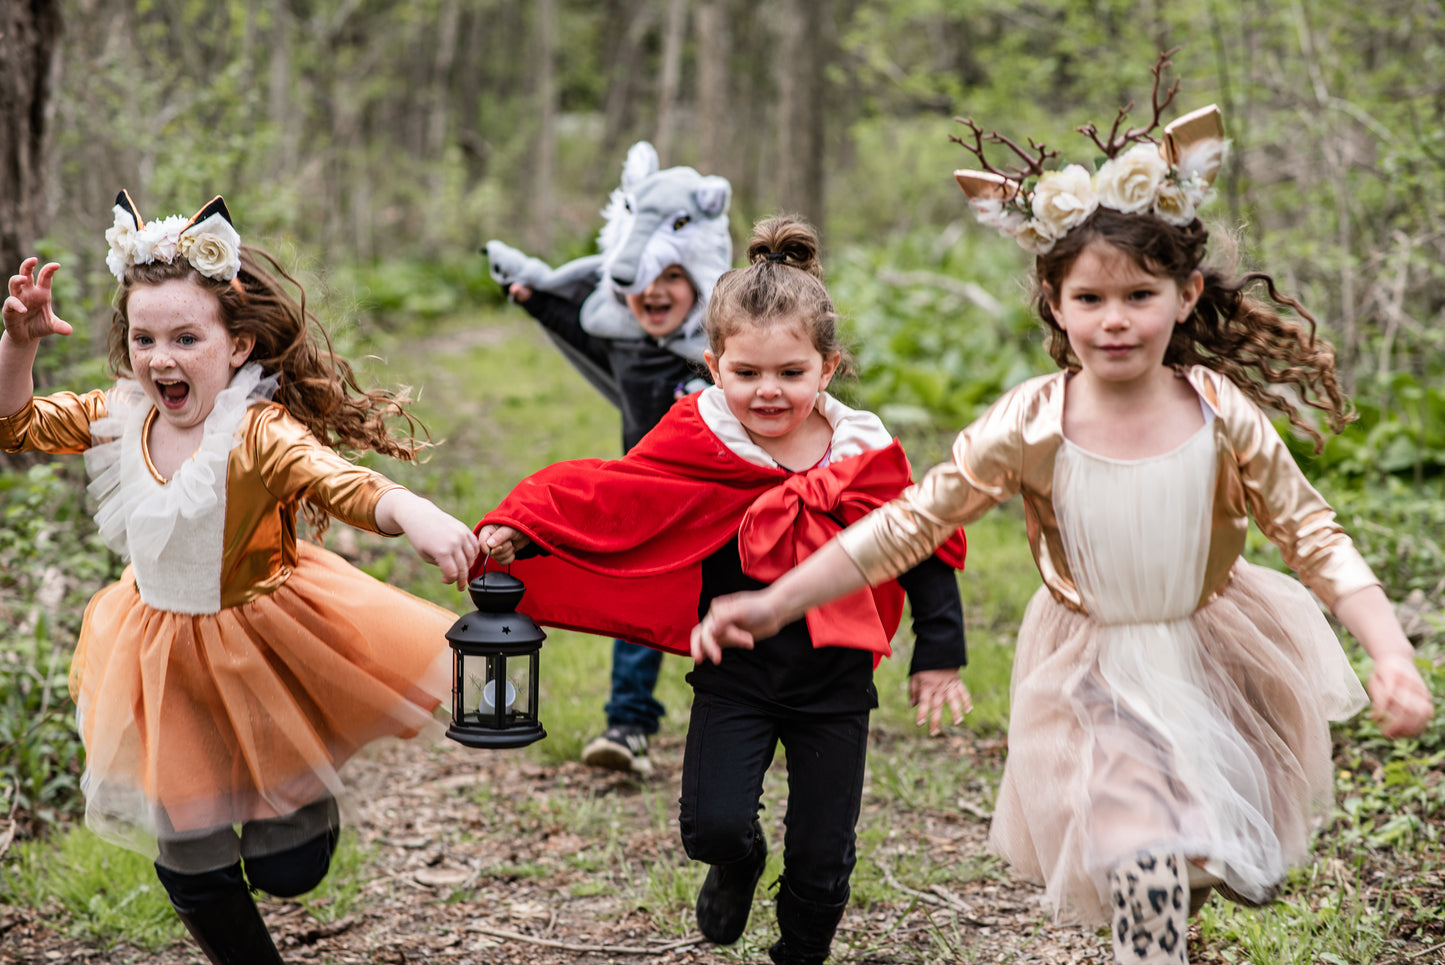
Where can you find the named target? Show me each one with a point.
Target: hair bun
(786, 240)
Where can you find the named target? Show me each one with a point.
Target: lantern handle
(487, 559)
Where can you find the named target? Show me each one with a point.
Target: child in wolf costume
(629, 318)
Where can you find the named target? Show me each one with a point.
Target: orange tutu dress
(231, 670)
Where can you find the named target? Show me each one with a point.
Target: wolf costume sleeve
(654, 219)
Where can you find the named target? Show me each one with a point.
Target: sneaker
(619, 748)
(726, 899)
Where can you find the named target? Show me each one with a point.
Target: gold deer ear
(124, 202)
(1195, 141)
(985, 185)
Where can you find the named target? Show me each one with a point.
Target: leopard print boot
(1150, 900)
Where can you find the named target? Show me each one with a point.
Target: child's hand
(518, 292)
(439, 538)
(28, 310)
(931, 690)
(736, 620)
(502, 542)
(1402, 705)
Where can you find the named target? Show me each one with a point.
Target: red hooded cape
(627, 537)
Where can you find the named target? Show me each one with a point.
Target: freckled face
(1117, 316)
(771, 376)
(662, 306)
(180, 351)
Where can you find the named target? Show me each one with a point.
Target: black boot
(230, 931)
(726, 898)
(807, 927)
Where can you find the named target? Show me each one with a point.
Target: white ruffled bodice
(173, 533)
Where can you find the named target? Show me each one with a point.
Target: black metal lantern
(494, 662)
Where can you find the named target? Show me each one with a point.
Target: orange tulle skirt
(197, 723)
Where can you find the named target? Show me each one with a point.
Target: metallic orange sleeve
(58, 423)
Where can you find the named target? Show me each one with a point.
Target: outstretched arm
(29, 317)
(1402, 704)
(739, 619)
(439, 538)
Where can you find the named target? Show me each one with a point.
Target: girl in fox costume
(735, 485)
(228, 674)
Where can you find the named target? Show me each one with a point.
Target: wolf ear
(712, 195)
(641, 163)
(124, 202)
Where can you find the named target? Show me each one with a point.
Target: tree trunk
(713, 124)
(806, 38)
(672, 41)
(29, 35)
(542, 199)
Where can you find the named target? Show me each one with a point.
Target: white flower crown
(207, 240)
(1170, 178)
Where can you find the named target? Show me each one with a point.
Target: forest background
(376, 144)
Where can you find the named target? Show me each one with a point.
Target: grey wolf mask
(654, 219)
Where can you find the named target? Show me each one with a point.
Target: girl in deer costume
(1169, 730)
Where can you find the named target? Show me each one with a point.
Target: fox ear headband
(207, 240)
(1169, 177)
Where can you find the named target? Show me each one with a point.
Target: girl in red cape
(736, 485)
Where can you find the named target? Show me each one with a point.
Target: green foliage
(88, 888)
(938, 327)
(51, 560)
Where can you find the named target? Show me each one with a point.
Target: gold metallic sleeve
(1288, 509)
(985, 471)
(294, 463)
(58, 423)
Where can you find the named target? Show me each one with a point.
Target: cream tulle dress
(1167, 695)
(1155, 725)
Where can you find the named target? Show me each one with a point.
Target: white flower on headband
(1063, 199)
(1174, 204)
(121, 239)
(213, 246)
(1129, 182)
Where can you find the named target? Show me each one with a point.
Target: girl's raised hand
(932, 690)
(1401, 701)
(28, 311)
(502, 542)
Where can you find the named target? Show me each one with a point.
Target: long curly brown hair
(317, 386)
(1244, 338)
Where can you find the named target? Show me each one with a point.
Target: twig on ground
(1426, 951)
(573, 947)
(936, 895)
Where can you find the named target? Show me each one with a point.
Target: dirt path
(493, 859)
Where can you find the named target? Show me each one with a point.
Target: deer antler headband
(207, 240)
(1036, 207)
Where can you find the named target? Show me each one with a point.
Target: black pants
(730, 746)
(285, 873)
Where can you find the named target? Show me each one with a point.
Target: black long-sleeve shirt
(648, 376)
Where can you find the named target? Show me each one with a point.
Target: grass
(91, 889)
(501, 404)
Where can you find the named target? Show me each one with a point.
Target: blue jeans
(634, 675)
